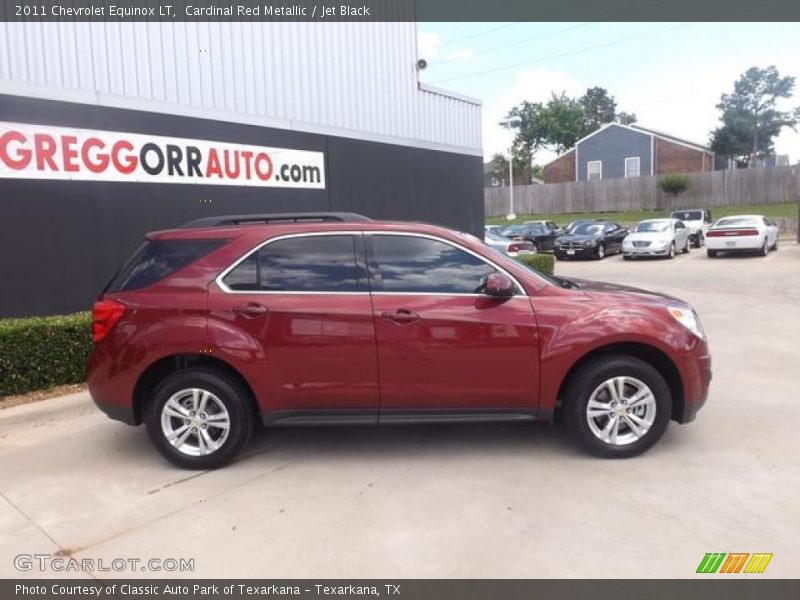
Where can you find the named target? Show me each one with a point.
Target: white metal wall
(352, 79)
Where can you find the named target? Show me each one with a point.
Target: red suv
(335, 318)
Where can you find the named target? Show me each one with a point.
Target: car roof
(742, 217)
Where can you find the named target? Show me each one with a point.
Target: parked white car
(742, 233)
(656, 237)
(697, 221)
(507, 246)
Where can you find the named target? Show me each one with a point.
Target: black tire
(775, 245)
(560, 256)
(765, 248)
(586, 380)
(626, 257)
(672, 252)
(227, 390)
(535, 248)
(600, 252)
(711, 253)
(688, 247)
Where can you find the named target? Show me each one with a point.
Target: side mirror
(498, 285)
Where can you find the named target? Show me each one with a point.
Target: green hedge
(41, 352)
(544, 263)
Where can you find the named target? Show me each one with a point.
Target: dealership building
(110, 130)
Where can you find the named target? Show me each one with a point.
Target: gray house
(617, 150)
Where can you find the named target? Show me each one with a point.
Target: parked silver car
(657, 237)
(507, 246)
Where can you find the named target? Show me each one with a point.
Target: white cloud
(532, 84)
(460, 54)
(428, 44)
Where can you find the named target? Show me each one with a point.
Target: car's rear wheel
(199, 418)
(616, 406)
(765, 247)
(711, 253)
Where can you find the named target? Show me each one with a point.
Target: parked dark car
(334, 318)
(537, 234)
(592, 239)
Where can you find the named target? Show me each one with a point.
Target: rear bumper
(116, 412)
(744, 244)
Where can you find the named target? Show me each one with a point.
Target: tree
(560, 122)
(600, 108)
(750, 116)
(524, 172)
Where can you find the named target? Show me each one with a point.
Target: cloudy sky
(670, 74)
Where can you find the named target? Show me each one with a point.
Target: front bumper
(697, 374)
(583, 252)
(645, 251)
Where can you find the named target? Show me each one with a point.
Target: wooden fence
(706, 190)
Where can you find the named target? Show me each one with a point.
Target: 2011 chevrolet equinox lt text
(335, 318)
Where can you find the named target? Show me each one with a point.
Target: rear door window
(157, 259)
(313, 263)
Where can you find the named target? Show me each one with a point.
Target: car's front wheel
(199, 418)
(600, 253)
(616, 406)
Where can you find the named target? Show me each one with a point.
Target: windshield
(588, 229)
(688, 215)
(491, 235)
(736, 222)
(652, 226)
(515, 230)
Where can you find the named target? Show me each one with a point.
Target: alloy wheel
(195, 422)
(621, 410)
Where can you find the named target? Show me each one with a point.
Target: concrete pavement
(494, 500)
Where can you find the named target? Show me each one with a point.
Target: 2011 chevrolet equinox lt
(335, 318)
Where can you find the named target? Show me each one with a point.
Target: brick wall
(560, 170)
(675, 158)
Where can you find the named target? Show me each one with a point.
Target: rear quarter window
(157, 259)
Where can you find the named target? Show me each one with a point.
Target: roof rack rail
(318, 217)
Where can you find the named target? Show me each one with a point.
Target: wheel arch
(653, 356)
(172, 363)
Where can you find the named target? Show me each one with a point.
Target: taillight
(105, 314)
(731, 232)
(514, 247)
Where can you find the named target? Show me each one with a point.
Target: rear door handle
(251, 310)
(401, 315)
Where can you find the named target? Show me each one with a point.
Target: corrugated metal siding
(356, 78)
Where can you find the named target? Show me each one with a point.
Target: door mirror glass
(498, 285)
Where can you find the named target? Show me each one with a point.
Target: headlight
(688, 318)
(590, 243)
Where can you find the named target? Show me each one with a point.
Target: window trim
(521, 293)
(600, 172)
(219, 278)
(638, 160)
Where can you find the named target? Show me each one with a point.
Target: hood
(648, 236)
(578, 238)
(598, 288)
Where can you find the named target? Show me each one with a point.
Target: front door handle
(401, 315)
(251, 310)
